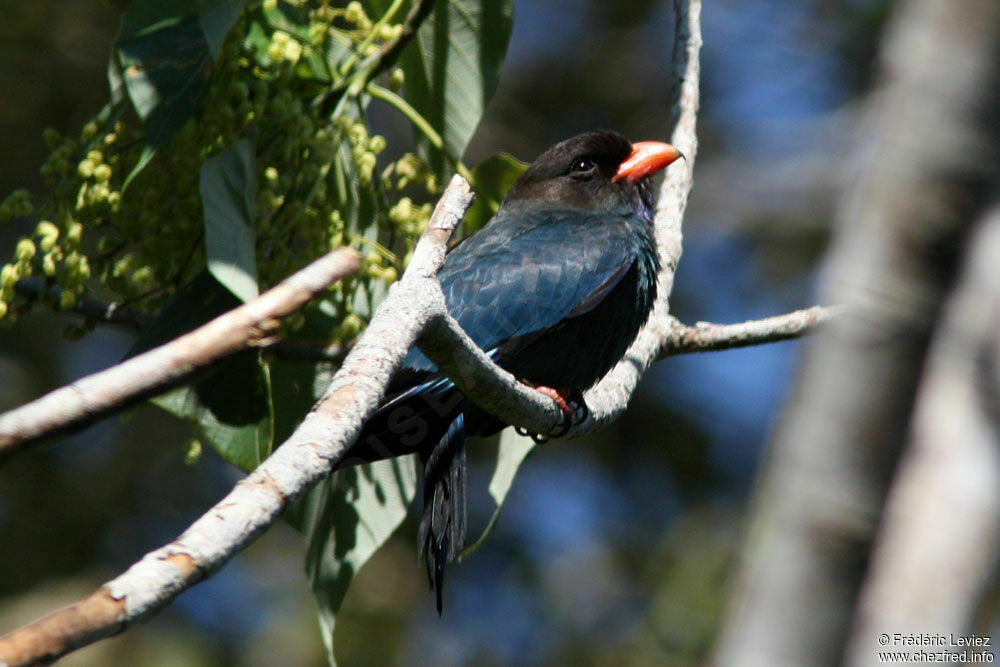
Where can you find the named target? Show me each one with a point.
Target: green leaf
(228, 195)
(163, 57)
(361, 212)
(511, 453)
(145, 16)
(166, 73)
(512, 450)
(231, 405)
(216, 19)
(148, 153)
(453, 68)
(116, 79)
(346, 518)
(491, 179)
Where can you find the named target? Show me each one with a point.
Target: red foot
(562, 398)
(570, 403)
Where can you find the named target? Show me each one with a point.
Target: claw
(539, 439)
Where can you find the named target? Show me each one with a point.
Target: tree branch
(608, 399)
(253, 324)
(708, 337)
(105, 313)
(385, 58)
(902, 230)
(489, 386)
(942, 517)
(257, 501)
(413, 311)
(497, 391)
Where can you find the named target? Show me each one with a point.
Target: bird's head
(597, 171)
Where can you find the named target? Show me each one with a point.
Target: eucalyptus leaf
(228, 195)
(511, 453)
(147, 16)
(453, 68)
(512, 450)
(215, 19)
(346, 518)
(162, 58)
(231, 408)
(116, 80)
(148, 153)
(360, 209)
(166, 72)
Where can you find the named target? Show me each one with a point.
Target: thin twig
(115, 314)
(706, 336)
(609, 398)
(385, 58)
(255, 503)
(253, 324)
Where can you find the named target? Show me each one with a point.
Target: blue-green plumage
(554, 288)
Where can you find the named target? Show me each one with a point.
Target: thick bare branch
(938, 543)
(931, 148)
(251, 325)
(257, 501)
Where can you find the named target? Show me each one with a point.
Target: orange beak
(648, 157)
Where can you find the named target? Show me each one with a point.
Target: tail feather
(441, 535)
(428, 419)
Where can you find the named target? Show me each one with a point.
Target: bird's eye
(582, 166)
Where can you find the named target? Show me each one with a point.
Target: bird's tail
(430, 420)
(441, 536)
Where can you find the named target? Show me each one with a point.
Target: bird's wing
(523, 278)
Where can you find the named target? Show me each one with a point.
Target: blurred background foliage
(612, 549)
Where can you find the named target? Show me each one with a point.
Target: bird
(554, 288)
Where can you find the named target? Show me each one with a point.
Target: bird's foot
(570, 403)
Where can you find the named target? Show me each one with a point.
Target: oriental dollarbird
(554, 289)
